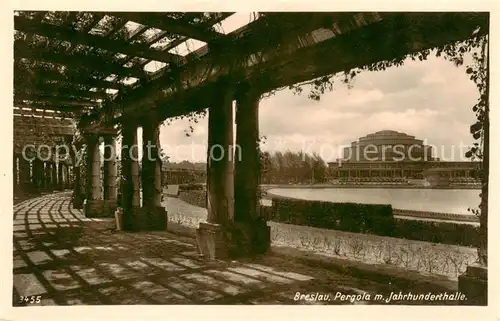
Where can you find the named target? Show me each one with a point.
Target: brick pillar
(212, 237)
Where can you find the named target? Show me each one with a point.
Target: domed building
(388, 154)
(387, 145)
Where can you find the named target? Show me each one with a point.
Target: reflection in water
(431, 200)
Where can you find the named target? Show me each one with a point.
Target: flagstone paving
(63, 258)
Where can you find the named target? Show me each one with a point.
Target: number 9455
(31, 299)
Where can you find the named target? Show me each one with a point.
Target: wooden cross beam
(41, 75)
(22, 50)
(61, 91)
(76, 37)
(164, 22)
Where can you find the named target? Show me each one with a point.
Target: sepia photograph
(250, 158)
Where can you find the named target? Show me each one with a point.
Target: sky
(431, 100)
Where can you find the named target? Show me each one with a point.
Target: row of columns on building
(35, 175)
(392, 173)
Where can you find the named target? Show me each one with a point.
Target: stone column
(93, 207)
(93, 167)
(255, 232)
(23, 172)
(77, 193)
(14, 172)
(151, 177)
(65, 176)
(70, 169)
(110, 168)
(78, 184)
(60, 179)
(48, 176)
(53, 167)
(36, 174)
(130, 179)
(212, 237)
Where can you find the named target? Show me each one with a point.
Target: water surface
(430, 200)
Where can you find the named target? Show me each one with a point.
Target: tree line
(292, 168)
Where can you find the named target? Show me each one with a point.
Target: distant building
(390, 154)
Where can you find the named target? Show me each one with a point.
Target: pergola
(117, 71)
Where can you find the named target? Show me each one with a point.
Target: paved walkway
(63, 258)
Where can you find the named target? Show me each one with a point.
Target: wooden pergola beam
(76, 60)
(41, 96)
(39, 123)
(96, 17)
(76, 37)
(57, 86)
(56, 91)
(164, 22)
(29, 112)
(21, 130)
(49, 75)
(64, 101)
(210, 23)
(65, 109)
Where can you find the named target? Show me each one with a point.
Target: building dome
(387, 145)
(386, 132)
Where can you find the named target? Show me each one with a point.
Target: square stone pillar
(154, 214)
(214, 238)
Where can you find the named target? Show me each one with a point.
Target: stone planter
(474, 284)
